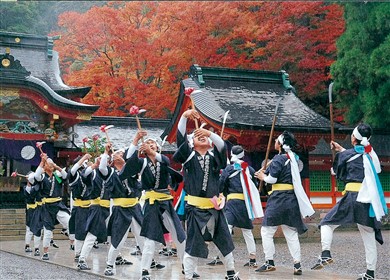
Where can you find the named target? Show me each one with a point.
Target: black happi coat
(348, 211)
(97, 215)
(123, 184)
(235, 209)
(157, 178)
(51, 187)
(201, 179)
(79, 185)
(282, 206)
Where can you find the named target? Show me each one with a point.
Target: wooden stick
(270, 141)
(139, 126)
(331, 118)
(193, 107)
(223, 122)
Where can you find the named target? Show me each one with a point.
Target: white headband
(234, 157)
(358, 136)
(281, 139)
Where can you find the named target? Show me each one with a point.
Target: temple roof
(37, 55)
(250, 96)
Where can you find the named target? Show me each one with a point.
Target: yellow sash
(125, 202)
(104, 203)
(200, 202)
(32, 206)
(239, 196)
(40, 203)
(51, 199)
(82, 203)
(352, 187)
(153, 196)
(281, 187)
(95, 201)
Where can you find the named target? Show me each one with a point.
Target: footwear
(137, 251)
(109, 271)
(45, 257)
(95, 245)
(82, 265)
(52, 243)
(216, 261)
(267, 266)
(194, 275)
(232, 277)
(37, 253)
(145, 277)
(27, 249)
(76, 258)
(369, 275)
(156, 265)
(64, 231)
(122, 261)
(321, 262)
(251, 263)
(170, 253)
(297, 269)
(163, 251)
(71, 247)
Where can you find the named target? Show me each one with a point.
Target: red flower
(14, 174)
(39, 144)
(103, 128)
(188, 91)
(85, 139)
(95, 137)
(134, 110)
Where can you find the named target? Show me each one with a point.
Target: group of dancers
(216, 191)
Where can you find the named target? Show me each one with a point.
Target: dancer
(159, 215)
(125, 191)
(30, 191)
(79, 184)
(243, 199)
(205, 219)
(285, 205)
(50, 177)
(363, 202)
(99, 210)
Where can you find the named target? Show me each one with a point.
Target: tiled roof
(36, 54)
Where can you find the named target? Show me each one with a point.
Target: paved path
(347, 251)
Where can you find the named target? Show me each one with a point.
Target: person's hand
(201, 132)
(191, 114)
(260, 175)
(336, 146)
(107, 149)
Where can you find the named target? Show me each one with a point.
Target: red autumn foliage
(137, 52)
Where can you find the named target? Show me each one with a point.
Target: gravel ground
(347, 251)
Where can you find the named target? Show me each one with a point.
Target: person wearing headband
(204, 216)
(287, 203)
(362, 202)
(99, 209)
(51, 179)
(80, 187)
(243, 199)
(30, 192)
(159, 214)
(121, 179)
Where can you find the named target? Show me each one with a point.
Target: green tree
(362, 70)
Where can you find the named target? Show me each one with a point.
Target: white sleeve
(87, 171)
(218, 142)
(182, 125)
(131, 150)
(38, 174)
(75, 168)
(63, 173)
(103, 165)
(270, 180)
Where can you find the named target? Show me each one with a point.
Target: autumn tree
(137, 52)
(362, 72)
